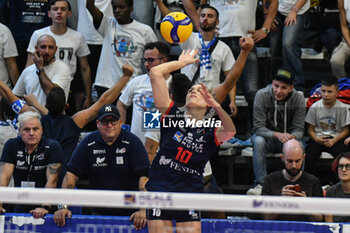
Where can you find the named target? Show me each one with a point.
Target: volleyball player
(186, 144)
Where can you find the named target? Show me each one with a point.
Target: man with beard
(215, 56)
(46, 72)
(292, 181)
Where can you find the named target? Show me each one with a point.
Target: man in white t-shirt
(86, 27)
(328, 121)
(237, 19)
(8, 53)
(71, 45)
(215, 56)
(46, 72)
(138, 91)
(124, 40)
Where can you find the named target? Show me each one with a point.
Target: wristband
(17, 106)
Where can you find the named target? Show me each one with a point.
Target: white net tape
(125, 199)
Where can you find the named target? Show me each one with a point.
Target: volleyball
(176, 27)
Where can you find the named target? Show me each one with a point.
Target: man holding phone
(328, 121)
(292, 181)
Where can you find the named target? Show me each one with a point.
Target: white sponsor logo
(91, 143)
(164, 161)
(126, 142)
(119, 160)
(37, 168)
(120, 151)
(20, 154)
(41, 156)
(98, 152)
(201, 139)
(20, 163)
(100, 162)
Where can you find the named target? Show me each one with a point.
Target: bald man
(292, 181)
(46, 72)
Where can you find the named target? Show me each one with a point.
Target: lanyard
(30, 162)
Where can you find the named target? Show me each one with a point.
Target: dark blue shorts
(176, 215)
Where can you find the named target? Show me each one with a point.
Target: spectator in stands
(328, 121)
(92, 37)
(8, 54)
(285, 49)
(7, 129)
(342, 52)
(279, 113)
(138, 92)
(292, 181)
(113, 159)
(33, 160)
(215, 56)
(45, 73)
(341, 166)
(71, 48)
(24, 18)
(124, 40)
(237, 19)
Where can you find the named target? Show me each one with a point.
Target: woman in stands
(340, 165)
(187, 141)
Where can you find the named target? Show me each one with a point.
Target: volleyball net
(174, 201)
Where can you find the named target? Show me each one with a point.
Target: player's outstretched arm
(159, 87)
(83, 117)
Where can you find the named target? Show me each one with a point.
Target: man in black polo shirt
(113, 159)
(33, 160)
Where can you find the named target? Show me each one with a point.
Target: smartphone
(327, 137)
(296, 188)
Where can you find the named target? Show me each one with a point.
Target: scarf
(205, 57)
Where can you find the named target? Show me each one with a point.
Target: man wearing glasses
(113, 159)
(138, 91)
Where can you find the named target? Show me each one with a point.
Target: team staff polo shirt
(184, 151)
(49, 151)
(110, 167)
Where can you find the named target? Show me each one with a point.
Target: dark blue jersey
(26, 17)
(110, 167)
(33, 166)
(184, 150)
(63, 129)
